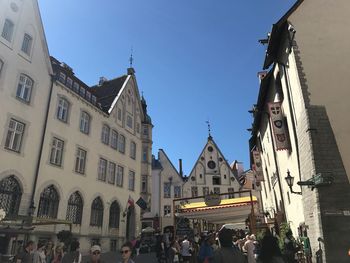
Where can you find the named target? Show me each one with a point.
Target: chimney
(180, 167)
(102, 80)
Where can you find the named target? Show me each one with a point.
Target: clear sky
(195, 60)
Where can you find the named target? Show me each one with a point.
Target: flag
(130, 201)
(141, 203)
(279, 126)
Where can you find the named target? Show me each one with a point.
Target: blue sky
(195, 60)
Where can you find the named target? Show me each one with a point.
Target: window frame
(132, 177)
(111, 173)
(132, 150)
(167, 208)
(120, 176)
(10, 28)
(177, 191)
(56, 151)
(167, 190)
(62, 109)
(97, 209)
(105, 133)
(27, 44)
(114, 139)
(144, 184)
(85, 122)
(102, 169)
(11, 135)
(80, 160)
(121, 143)
(75, 206)
(24, 88)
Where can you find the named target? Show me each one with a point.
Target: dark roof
(275, 36)
(107, 92)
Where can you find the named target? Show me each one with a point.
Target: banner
(257, 166)
(279, 128)
(141, 203)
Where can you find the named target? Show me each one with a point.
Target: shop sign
(212, 199)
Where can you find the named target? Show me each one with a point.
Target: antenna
(207, 122)
(131, 59)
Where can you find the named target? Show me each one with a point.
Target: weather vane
(131, 59)
(207, 122)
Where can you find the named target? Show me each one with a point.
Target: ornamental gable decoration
(279, 127)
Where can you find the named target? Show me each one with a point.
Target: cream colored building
(71, 155)
(307, 62)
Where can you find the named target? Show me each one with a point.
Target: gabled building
(299, 128)
(167, 184)
(211, 173)
(72, 157)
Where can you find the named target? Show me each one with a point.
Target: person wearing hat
(95, 254)
(227, 251)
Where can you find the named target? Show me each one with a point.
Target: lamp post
(290, 181)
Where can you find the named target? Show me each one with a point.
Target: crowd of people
(225, 246)
(47, 253)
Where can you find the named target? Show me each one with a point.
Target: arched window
(7, 30)
(84, 122)
(24, 88)
(114, 215)
(10, 196)
(96, 212)
(48, 204)
(75, 208)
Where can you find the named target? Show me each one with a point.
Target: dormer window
(62, 77)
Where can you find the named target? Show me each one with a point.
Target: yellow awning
(223, 203)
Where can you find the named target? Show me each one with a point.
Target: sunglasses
(96, 253)
(124, 251)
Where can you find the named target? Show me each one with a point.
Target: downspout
(37, 168)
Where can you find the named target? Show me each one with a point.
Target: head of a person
(126, 250)
(49, 245)
(95, 253)
(41, 245)
(74, 246)
(225, 237)
(185, 237)
(269, 248)
(30, 245)
(59, 249)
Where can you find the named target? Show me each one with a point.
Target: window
(69, 82)
(80, 161)
(105, 134)
(144, 184)
(114, 139)
(24, 87)
(167, 190)
(231, 192)
(75, 208)
(132, 150)
(88, 95)
(7, 30)
(216, 180)
(121, 146)
(119, 114)
(177, 191)
(129, 121)
(56, 151)
(194, 191)
(167, 210)
(76, 87)
(27, 44)
(48, 204)
(14, 135)
(10, 196)
(131, 180)
(120, 175)
(113, 245)
(84, 122)
(1, 66)
(93, 99)
(205, 190)
(114, 215)
(82, 91)
(111, 173)
(102, 169)
(62, 77)
(96, 217)
(144, 154)
(62, 109)
(145, 130)
(138, 127)
(216, 190)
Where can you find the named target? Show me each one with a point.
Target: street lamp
(290, 181)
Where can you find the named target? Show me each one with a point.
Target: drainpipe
(32, 205)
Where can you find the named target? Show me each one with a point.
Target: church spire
(209, 134)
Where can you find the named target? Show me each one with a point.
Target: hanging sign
(257, 167)
(279, 128)
(212, 199)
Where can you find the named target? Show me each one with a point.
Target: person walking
(49, 252)
(95, 254)
(206, 252)
(249, 247)
(39, 254)
(74, 256)
(185, 250)
(58, 254)
(126, 252)
(25, 256)
(270, 251)
(289, 247)
(227, 252)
